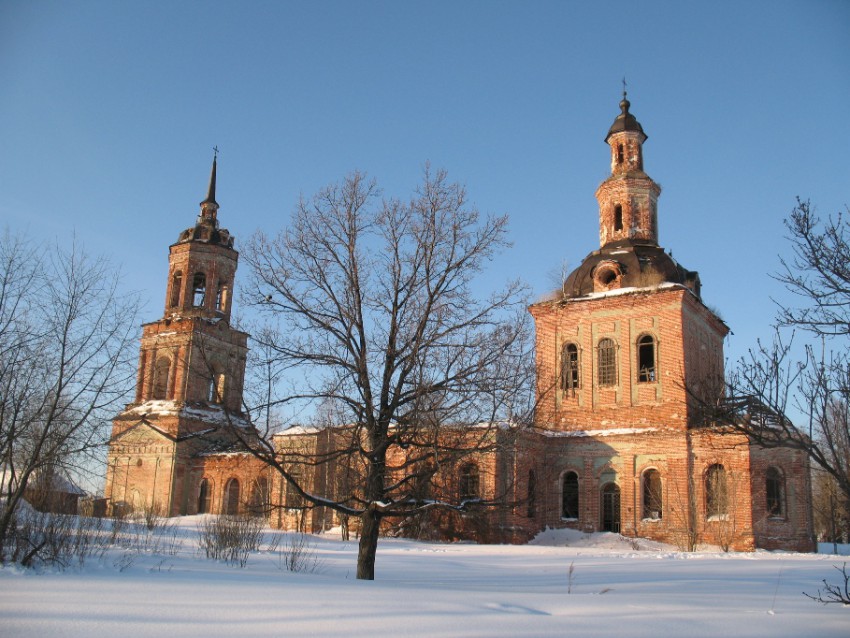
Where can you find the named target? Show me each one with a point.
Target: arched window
(569, 495)
(216, 388)
(231, 497)
(618, 217)
(652, 494)
(531, 500)
(260, 498)
(775, 492)
(199, 289)
(204, 497)
(176, 288)
(469, 482)
(221, 296)
(620, 154)
(160, 378)
(716, 492)
(569, 367)
(607, 356)
(646, 359)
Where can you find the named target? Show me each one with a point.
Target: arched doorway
(611, 508)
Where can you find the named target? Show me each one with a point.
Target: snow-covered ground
(430, 589)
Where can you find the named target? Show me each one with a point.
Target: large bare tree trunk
(371, 525)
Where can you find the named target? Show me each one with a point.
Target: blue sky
(109, 111)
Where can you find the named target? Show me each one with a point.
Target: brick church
(618, 443)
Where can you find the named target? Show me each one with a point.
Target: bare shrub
(119, 525)
(230, 538)
(298, 554)
(152, 517)
(41, 539)
(834, 593)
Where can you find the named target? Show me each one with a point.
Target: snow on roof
(209, 413)
(598, 433)
(60, 482)
(629, 291)
(296, 430)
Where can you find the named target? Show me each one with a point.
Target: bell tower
(190, 375)
(192, 354)
(629, 332)
(628, 199)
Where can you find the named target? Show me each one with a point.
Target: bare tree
(828, 510)
(375, 314)
(66, 344)
(777, 379)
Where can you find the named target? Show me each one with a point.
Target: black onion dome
(628, 264)
(625, 121)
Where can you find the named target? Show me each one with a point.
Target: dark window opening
(569, 367)
(620, 154)
(231, 497)
(160, 378)
(259, 505)
(618, 217)
(646, 359)
(469, 483)
(652, 494)
(204, 495)
(199, 289)
(607, 355)
(176, 286)
(607, 277)
(716, 492)
(294, 499)
(531, 501)
(775, 488)
(569, 495)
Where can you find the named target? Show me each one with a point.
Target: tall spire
(209, 206)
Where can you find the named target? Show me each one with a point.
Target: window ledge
(718, 517)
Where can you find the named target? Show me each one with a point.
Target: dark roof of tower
(625, 121)
(211, 189)
(638, 264)
(208, 234)
(206, 227)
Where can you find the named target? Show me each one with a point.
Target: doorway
(611, 508)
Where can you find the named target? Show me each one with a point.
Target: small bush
(298, 554)
(44, 539)
(834, 593)
(230, 538)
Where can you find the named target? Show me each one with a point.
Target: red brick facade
(618, 444)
